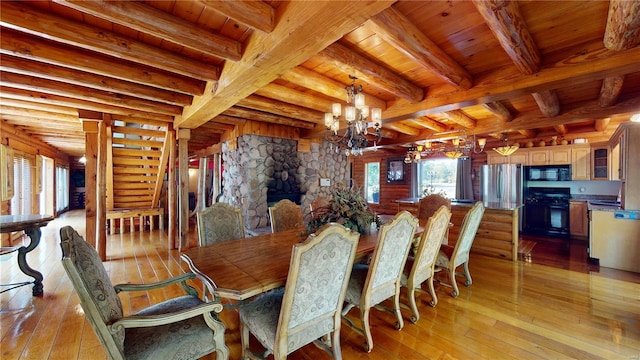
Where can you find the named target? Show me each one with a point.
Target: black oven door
(546, 219)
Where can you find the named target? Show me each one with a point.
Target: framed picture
(396, 173)
(6, 173)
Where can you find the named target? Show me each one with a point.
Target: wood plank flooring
(551, 305)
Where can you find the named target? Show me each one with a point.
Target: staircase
(137, 159)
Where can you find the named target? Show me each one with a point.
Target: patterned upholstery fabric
(312, 298)
(285, 215)
(189, 338)
(219, 222)
(421, 268)
(383, 272)
(460, 255)
(428, 205)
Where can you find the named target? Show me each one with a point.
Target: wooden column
(183, 187)
(171, 190)
(90, 128)
(101, 190)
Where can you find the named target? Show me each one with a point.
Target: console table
(31, 225)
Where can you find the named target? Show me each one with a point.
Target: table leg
(34, 235)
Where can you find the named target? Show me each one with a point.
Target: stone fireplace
(263, 170)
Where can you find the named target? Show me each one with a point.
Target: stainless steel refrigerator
(501, 183)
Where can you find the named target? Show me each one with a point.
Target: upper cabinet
(519, 157)
(581, 163)
(629, 163)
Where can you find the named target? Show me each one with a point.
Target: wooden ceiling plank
(370, 72)
(498, 109)
(227, 120)
(27, 47)
(579, 69)
(13, 110)
(160, 24)
(40, 97)
(250, 114)
(429, 123)
(459, 117)
(548, 102)
(508, 26)
(83, 93)
(317, 82)
(37, 106)
(404, 129)
(94, 81)
(39, 23)
(254, 14)
(303, 29)
(396, 29)
(265, 104)
(291, 96)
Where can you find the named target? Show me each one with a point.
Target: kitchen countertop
(469, 203)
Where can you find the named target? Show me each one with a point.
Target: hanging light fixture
(414, 154)
(454, 144)
(506, 149)
(356, 136)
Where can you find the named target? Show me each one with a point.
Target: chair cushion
(186, 339)
(261, 316)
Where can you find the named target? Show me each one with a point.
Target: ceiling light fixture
(454, 144)
(506, 150)
(356, 135)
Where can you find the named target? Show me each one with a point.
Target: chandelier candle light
(355, 138)
(506, 150)
(460, 146)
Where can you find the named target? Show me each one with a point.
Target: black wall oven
(546, 211)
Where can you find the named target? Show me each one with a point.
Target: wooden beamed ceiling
(528, 70)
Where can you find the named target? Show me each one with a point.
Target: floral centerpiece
(346, 206)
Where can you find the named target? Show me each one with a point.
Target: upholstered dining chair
(180, 328)
(219, 222)
(308, 308)
(449, 258)
(420, 268)
(285, 215)
(379, 280)
(429, 204)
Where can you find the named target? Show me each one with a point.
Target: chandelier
(452, 144)
(356, 136)
(506, 150)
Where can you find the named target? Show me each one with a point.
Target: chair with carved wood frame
(380, 280)
(285, 215)
(179, 328)
(308, 308)
(449, 258)
(420, 268)
(219, 222)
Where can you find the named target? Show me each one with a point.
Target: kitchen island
(497, 234)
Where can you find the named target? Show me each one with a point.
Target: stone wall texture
(260, 162)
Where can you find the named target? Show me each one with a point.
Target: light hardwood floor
(521, 310)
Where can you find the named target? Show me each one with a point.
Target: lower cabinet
(578, 219)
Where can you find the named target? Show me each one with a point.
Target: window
(62, 188)
(21, 203)
(372, 182)
(438, 175)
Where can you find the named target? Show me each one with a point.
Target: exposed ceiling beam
(291, 96)
(39, 23)
(460, 118)
(303, 29)
(254, 14)
(396, 29)
(265, 104)
(428, 123)
(250, 114)
(370, 72)
(548, 102)
(27, 47)
(498, 109)
(610, 90)
(148, 20)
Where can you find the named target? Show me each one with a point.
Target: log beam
(396, 29)
(148, 20)
(498, 109)
(250, 114)
(601, 124)
(610, 90)
(460, 118)
(283, 109)
(254, 14)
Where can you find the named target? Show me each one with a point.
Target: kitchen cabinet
(519, 157)
(578, 219)
(581, 163)
(539, 157)
(555, 155)
(614, 240)
(600, 162)
(626, 138)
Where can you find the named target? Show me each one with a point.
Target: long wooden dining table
(240, 269)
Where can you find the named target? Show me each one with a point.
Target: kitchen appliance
(546, 211)
(548, 173)
(501, 183)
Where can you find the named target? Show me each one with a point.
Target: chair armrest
(155, 285)
(163, 319)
